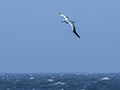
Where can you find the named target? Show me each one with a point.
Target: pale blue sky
(33, 39)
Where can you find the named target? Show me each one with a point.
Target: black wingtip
(76, 34)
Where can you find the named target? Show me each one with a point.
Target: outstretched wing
(73, 29)
(66, 18)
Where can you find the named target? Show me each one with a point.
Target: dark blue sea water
(60, 81)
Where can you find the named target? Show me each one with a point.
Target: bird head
(59, 13)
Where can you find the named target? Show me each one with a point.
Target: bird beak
(61, 21)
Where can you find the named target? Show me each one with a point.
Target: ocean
(60, 81)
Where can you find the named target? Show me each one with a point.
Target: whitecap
(105, 78)
(32, 78)
(50, 80)
(59, 83)
(82, 89)
(61, 89)
(62, 74)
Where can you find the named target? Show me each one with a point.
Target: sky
(33, 39)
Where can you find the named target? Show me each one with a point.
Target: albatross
(68, 21)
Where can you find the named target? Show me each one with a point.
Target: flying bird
(68, 21)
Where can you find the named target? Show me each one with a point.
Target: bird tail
(74, 21)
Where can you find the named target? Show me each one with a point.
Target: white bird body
(68, 21)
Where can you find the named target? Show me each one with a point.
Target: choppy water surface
(60, 81)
